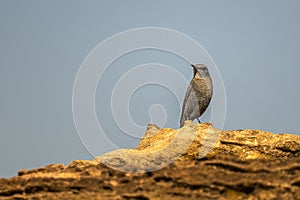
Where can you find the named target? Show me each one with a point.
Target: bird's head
(201, 69)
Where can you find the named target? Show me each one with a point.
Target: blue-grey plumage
(198, 94)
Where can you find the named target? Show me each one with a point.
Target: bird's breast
(202, 86)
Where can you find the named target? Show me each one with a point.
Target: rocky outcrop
(197, 161)
(160, 147)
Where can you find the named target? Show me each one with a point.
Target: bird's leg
(198, 120)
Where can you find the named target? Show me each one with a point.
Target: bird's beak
(192, 65)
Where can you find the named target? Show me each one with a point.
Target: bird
(198, 94)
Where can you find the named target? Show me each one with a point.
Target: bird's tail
(182, 120)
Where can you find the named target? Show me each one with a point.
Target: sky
(254, 44)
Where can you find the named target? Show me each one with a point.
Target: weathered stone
(160, 147)
(213, 164)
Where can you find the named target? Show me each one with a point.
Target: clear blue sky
(255, 45)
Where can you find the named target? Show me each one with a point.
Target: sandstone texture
(196, 161)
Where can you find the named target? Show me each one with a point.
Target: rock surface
(194, 162)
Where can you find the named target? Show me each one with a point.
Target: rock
(197, 161)
(157, 149)
(160, 147)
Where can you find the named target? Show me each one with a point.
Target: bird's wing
(187, 95)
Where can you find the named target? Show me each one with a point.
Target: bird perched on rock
(198, 94)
